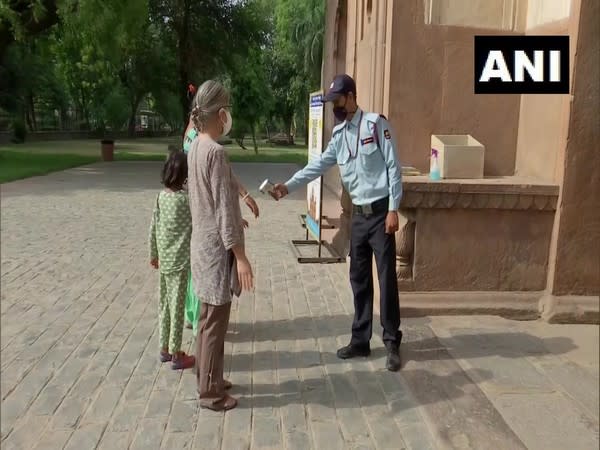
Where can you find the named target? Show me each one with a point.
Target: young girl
(170, 234)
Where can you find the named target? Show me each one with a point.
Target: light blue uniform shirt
(365, 151)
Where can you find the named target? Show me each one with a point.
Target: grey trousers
(210, 349)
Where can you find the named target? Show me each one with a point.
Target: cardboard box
(459, 155)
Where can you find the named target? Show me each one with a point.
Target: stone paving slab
(78, 342)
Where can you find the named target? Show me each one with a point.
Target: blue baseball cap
(341, 85)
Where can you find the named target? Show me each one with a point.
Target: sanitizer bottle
(434, 167)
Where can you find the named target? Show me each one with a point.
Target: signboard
(313, 221)
(314, 190)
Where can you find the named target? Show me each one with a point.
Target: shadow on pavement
(353, 390)
(419, 342)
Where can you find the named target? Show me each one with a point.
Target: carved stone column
(405, 244)
(341, 241)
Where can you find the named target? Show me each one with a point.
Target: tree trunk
(84, 111)
(131, 125)
(28, 119)
(240, 142)
(291, 133)
(31, 107)
(254, 140)
(306, 135)
(184, 75)
(288, 127)
(62, 118)
(132, 114)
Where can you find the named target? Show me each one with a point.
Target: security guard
(363, 147)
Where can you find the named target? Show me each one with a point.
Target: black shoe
(352, 351)
(393, 362)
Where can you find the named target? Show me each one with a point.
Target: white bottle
(434, 167)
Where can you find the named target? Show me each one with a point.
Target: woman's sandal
(183, 362)
(226, 404)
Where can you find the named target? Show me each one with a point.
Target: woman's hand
(154, 263)
(245, 223)
(244, 271)
(252, 205)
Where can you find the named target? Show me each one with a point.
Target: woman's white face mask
(227, 124)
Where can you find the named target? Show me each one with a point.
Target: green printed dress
(170, 233)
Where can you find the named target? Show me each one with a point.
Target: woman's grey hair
(210, 98)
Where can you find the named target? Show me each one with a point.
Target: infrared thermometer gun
(266, 186)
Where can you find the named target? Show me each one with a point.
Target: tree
(145, 68)
(251, 95)
(110, 51)
(105, 56)
(167, 105)
(89, 75)
(25, 18)
(281, 74)
(30, 80)
(300, 27)
(296, 56)
(205, 36)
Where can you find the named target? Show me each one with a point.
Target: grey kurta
(216, 222)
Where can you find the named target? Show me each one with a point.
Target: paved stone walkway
(79, 365)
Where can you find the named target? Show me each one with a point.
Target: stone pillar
(405, 245)
(578, 243)
(336, 202)
(341, 241)
(573, 281)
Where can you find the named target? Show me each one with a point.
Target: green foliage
(299, 29)
(93, 62)
(296, 55)
(207, 36)
(113, 43)
(89, 75)
(116, 109)
(251, 97)
(168, 106)
(21, 19)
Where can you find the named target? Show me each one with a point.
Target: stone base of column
(511, 305)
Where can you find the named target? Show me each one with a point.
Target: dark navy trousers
(368, 238)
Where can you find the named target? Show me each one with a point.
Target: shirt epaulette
(372, 117)
(339, 127)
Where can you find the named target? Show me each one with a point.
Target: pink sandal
(183, 362)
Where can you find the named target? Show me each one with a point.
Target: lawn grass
(18, 161)
(141, 145)
(18, 165)
(235, 155)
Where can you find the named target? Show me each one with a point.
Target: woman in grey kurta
(192, 303)
(220, 268)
